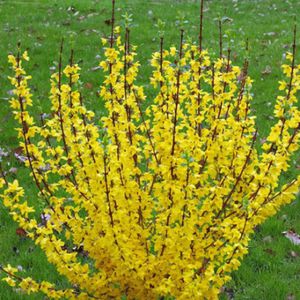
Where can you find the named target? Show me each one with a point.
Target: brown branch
(283, 120)
(59, 112)
(227, 68)
(86, 133)
(112, 24)
(11, 274)
(293, 64)
(177, 97)
(107, 192)
(147, 129)
(239, 176)
(185, 195)
(161, 58)
(27, 141)
(201, 25)
(220, 39)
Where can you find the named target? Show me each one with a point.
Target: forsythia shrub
(160, 201)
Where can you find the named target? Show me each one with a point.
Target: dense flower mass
(161, 200)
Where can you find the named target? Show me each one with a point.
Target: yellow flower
(173, 51)
(162, 198)
(25, 56)
(104, 41)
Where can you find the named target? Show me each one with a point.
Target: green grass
(269, 271)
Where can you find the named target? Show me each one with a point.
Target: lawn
(272, 268)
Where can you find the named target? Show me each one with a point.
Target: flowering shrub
(160, 202)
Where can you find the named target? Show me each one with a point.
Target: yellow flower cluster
(161, 200)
